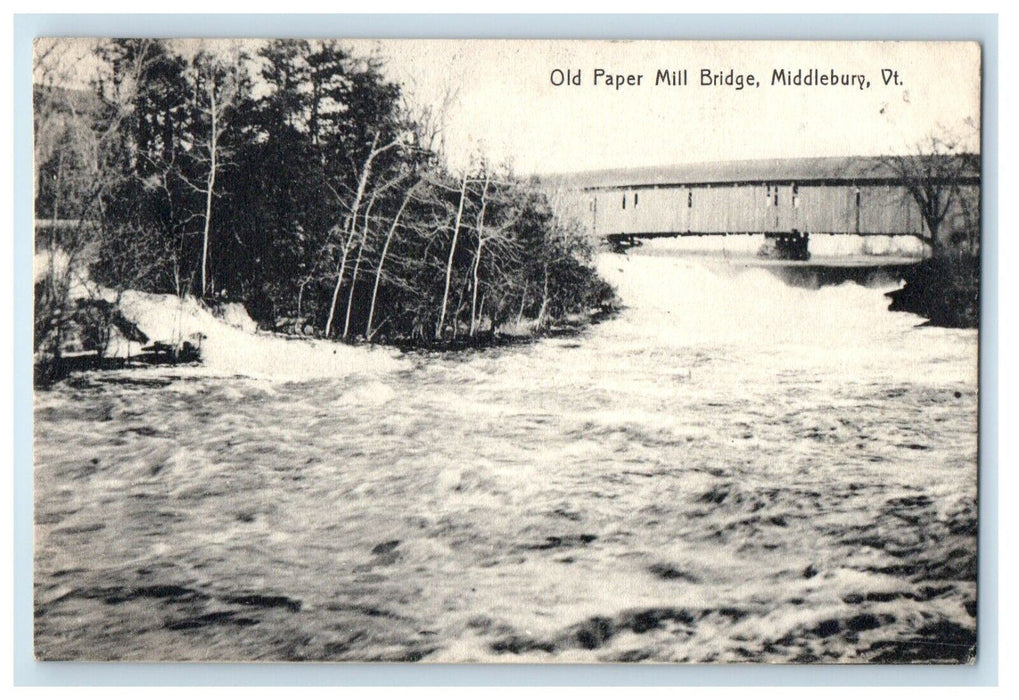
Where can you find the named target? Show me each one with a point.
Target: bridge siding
(885, 208)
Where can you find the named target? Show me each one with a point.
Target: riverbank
(944, 289)
(224, 340)
(227, 342)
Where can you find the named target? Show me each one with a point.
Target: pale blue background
(983, 28)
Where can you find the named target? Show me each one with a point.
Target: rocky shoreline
(944, 289)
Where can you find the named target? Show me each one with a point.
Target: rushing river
(732, 469)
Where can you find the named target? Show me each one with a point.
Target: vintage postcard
(506, 351)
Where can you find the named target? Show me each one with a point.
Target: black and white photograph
(506, 351)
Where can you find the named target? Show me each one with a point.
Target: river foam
(731, 469)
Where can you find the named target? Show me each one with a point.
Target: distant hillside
(68, 100)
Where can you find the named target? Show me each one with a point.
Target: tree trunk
(477, 258)
(300, 295)
(544, 300)
(213, 137)
(59, 184)
(357, 265)
(481, 308)
(350, 296)
(452, 251)
(474, 290)
(339, 280)
(352, 227)
(382, 261)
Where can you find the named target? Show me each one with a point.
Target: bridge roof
(772, 170)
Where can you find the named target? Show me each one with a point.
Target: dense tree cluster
(295, 179)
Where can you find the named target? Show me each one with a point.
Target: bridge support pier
(621, 242)
(787, 246)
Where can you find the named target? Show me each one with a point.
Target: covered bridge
(862, 196)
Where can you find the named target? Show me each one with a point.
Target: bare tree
(935, 175)
(480, 229)
(369, 331)
(83, 131)
(494, 237)
(353, 208)
(217, 88)
(452, 251)
(377, 192)
(430, 119)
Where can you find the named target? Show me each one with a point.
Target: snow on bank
(231, 345)
(230, 342)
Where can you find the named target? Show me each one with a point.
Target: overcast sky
(506, 107)
(506, 102)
